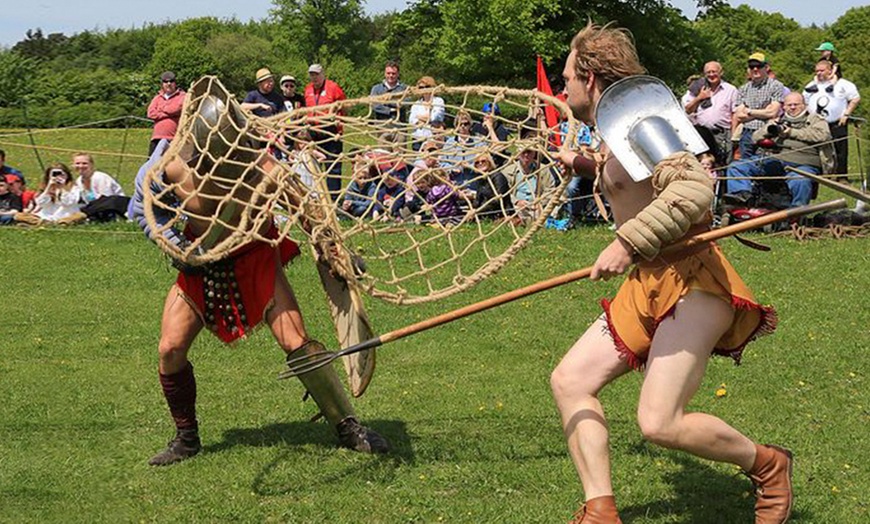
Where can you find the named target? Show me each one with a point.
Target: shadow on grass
(701, 494)
(296, 461)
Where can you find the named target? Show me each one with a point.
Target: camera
(56, 173)
(774, 130)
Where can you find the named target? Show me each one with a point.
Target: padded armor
(684, 194)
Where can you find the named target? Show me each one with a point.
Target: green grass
(467, 406)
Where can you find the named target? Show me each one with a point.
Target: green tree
(18, 73)
(316, 30)
(851, 35)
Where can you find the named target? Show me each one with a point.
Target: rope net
(407, 212)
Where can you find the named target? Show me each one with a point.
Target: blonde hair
(607, 52)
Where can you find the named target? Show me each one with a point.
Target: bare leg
(592, 363)
(284, 317)
(678, 358)
(178, 328)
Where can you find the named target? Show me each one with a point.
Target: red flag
(550, 112)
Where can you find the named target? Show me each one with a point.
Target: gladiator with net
(210, 199)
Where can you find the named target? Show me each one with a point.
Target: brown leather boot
(600, 510)
(771, 475)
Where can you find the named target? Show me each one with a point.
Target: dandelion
(835, 489)
(721, 392)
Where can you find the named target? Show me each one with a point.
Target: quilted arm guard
(684, 194)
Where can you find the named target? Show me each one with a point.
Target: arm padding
(684, 194)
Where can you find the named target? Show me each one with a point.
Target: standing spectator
(8, 170)
(264, 101)
(712, 107)
(834, 99)
(320, 92)
(758, 100)
(165, 110)
(59, 201)
(391, 84)
(10, 203)
(102, 195)
(292, 99)
(827, 51)
(426, 111)
(17, 187)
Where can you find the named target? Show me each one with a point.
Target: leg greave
(324, 386)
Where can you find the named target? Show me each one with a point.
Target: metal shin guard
(325, 387)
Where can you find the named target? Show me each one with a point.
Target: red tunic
(233, 295)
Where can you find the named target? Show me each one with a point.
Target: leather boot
(771, 475)
(600, 510)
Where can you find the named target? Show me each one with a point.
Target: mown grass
(466, 406)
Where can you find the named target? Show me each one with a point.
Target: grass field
(466, 406)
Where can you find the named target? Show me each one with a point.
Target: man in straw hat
(674, 310)
(264, 101)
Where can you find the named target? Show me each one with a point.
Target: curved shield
(642, 123)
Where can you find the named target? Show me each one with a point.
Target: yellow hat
(263, 74)
(758, 58)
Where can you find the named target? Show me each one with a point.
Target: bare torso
(626, 197)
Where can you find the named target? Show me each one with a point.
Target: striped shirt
(759, 96)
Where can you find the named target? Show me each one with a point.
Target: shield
(352, 327)
(642, 123)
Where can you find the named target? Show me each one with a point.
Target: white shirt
(67, 204)
(435, 110)
(101, 185)
(831, 100)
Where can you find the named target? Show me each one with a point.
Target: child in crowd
(360, 199)
(306, 159)
(10, 203)
(441, 196)
(391, 195)
(58, 201)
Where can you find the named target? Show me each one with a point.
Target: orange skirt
(652, 290)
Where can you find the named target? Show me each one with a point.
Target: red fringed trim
(766, 325)
(626, 354)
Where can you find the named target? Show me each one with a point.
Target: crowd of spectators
(761, 131)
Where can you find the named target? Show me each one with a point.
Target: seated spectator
(493, 198)
(17, 187)
(391, 195)
(10, 203)
(306, 159)
(59, 200)
(429, 160)
(797, 138)
(526, 183)
(493, 131)
(102, 195)
(426, 111)
(8, 170)
(360, 198)
(441, 196)
(460, 150)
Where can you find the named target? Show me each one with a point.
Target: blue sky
(73, 16)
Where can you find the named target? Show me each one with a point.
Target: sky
(74, 16)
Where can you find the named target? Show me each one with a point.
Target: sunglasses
(168, 81)
(756, 67)
(482, 163)
(464, 123)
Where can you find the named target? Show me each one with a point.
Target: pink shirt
(165, 113)
(721, 110)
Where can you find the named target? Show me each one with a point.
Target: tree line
(57, 80)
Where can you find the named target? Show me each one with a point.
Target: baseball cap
(287, 78)
(263, 74)
(491, 108)
(757, 59)
(826, 46)
(168, 76)
(12, 177)
(315, 68)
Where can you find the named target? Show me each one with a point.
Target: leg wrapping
(180, 392)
